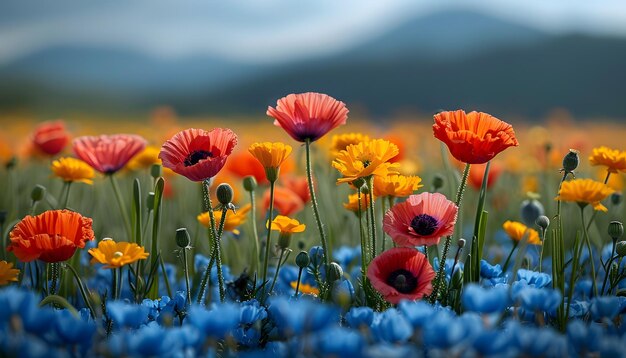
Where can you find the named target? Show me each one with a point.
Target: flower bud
(183, 240)
(335, 272)
(358, 182)
(616, 230)
(302, 259)
(224, 193)
(38, 193)
(316, 254)
(616, 198)
(620, 248)
(284, 240)
(438, 182)
(156, 170)
(570, 161)
(531, 210)
(249, 183)
(150, 200)
(461, 243)
(543, 222)
(365, 189)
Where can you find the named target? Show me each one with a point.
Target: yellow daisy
(613, 159)
(342, 141)
(117, 254)
(517, 231)
(72, 169)
(366, 159)
(396, 185)
(585, 191)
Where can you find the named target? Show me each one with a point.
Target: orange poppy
(478, 171)
(52, 236)
(286, 202)
(475, 137)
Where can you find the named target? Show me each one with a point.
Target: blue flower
(347, 256)
(390, 326)
(217, 322)
(360, 316)
(127, 315)
(444, 331)
(533, 278)
(478, 299)
(537, 299)
(604, 307)
(495, 343)
(339, 342)
(251, 312)
(342, 292)
(72, 330)
(295, 316)
(489, 271)
(418, 313)
(316, 254)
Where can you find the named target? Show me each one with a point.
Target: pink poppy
(401, 273)
(308, 115)
(421, 220)
(108, 153)
(51, 137)
(198, 154)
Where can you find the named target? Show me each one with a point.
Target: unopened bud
(224, 193)
(302, 259)
(620, 248)
(616, 198)
(156, 170)
(570, 161)
(438, 182)
(531, 210)
(358, 182)
(183, 240)
(38, 193)
(616, 230)
(365, 189)
(543, 222)
(249, 183)
(461, 243)
(335, 272)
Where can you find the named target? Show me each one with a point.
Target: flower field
(307, 232)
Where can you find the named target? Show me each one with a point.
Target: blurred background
(521, 59)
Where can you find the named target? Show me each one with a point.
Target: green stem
(316, 213)
(255, 233)
(54, 268)
(370, 184)
(543, 244)
(588, 244)
(442, 262)
(114, 284)
(212, 238)
(120, 202)
(298, 282)
(577, 251)
(280, 259)
(364, 249)
(607, 267)
(83, 291)
(186, 271)
(382, 229)
(66, 198)
(268, 242)
(218, 251)
(506, 263)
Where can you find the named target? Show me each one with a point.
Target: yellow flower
(7, 272)
(353, 203)
(585, 191)
(286, 225)
(232, 221)
(517, 231)
(613, 159)
(342, 141)
(271, 156)
(365, 159)
(117, 254)
(305, 289)
(145, 159)
(72, 169)
(396, 185)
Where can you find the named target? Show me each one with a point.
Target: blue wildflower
(127, 315)
(418, 313)
(536, 299)
(359, 317)
(489, 271)
(217, 322)
(478, 299)
(533, 278)
(604, 307)
(339, 342)
(390, 326)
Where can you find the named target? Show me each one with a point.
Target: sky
(262, 30)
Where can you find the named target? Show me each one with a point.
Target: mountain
(440, 61)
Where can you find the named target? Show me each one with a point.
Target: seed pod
(183, 240)
(249, 183)
(335, 272)
(224, 193)
(302, 259)
(38, 193)
(616, 230)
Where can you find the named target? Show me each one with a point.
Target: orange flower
(473, 138)
(242, 164)
(517, 231)
(286, 202)
(342, 141)
(396, 185)
(478, 171)
(271, 156)
(353, 203)
(7, 272)
(308, 115)
(585, 191)
(612, 159)
(297, 184)
(305, 289)
(51, 137)
(50, 237)
(366, 159)
(108, 153)
(232, 221)
(117, 254)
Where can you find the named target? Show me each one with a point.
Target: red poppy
(242, 164)
(478, 171)
(473, 138)
(51, 137)
(421, 220)
(299, 185)
(108, 153)
(308, 115)
(286, 202)
(52, 236)
(401, 273)
(198, 154)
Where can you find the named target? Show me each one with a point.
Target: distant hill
(443, 60)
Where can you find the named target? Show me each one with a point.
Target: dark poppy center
(402, 280)
(424, 224)
(196, 156)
